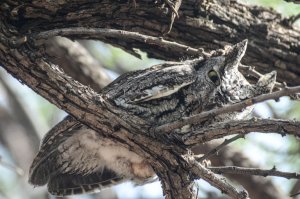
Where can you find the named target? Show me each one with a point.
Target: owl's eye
(214, 77)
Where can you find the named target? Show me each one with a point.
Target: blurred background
(25, 117)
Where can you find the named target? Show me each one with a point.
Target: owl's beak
(235, 54)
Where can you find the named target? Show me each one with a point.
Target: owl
(75, 159)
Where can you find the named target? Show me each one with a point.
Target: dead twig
(254, 171)
(218, 148)
(101, 33)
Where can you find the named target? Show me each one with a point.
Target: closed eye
(214, 77)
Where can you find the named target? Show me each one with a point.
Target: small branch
(254, 171)
(242, 127)
(102, 34)
(220, 183)
(215, 150)
(226, 109)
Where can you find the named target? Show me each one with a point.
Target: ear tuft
(236, 53)
(266, 83)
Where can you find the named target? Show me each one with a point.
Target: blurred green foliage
(283, 7)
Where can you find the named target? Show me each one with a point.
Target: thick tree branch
(254, 171)
(159, 43)
(205, 24)
(242, 127)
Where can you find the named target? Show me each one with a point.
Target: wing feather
(44, 164)
(70, 184)
(153, 83)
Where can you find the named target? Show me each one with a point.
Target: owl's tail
(70, 184)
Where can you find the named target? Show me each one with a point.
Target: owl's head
(222, 82)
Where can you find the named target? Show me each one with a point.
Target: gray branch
(218, 148)
(254, 171)
(242, 127)
(214, 180)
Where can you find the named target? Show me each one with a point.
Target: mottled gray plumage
(75, 159)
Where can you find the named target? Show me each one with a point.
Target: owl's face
(219, 81)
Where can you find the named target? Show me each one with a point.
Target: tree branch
(214, 180)
(254, 171)
(102, 34)
(242, 127)
(256, 187)
(273, 44)
(218, 148)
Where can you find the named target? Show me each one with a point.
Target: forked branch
(200, 171)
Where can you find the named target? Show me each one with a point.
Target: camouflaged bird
(75, 159)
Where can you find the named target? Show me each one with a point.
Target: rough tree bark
(206, 25)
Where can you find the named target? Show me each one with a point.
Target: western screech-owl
(78, 160)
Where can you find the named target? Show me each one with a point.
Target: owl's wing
(49, 165)
(71, 184)
(156, 82)
(43, 164)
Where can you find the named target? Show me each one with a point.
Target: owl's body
(75, 159)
